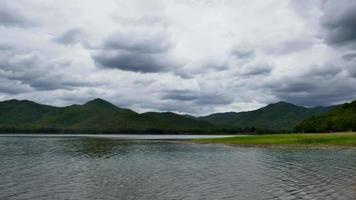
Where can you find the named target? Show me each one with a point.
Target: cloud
(311, 94)
(255, 69)
(151, 42)
(325, 70)
(145, 20)
(45, 73)
(197, 97)
(70, 37)
(12, 87)
(179, 95)
(351, 67)
(11, 15)
(129, 61)
(218, 56)
(315, 86)
(339, 22)
(349, 56)
(291, 45)
(4, 47)
(136, 51)
(241, 53)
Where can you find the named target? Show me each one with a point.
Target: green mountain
(21, 113)
(278, 116)
(341, 118)
(101, 116)
(96, 115)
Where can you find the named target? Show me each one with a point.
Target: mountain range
(100, 116)
(96, 115)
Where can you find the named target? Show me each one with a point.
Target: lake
(113, 167)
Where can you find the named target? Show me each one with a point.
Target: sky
(186, 56)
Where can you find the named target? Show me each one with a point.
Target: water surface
(122, 136)
(102, 168)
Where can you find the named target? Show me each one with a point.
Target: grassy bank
(329, 139)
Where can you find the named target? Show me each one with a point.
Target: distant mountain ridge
(277, 116)
(99, 116)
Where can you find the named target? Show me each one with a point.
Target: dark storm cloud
(47, 83)
(322, 96)
(214, 99)
(139, 42)
(196, 97)
(70, 37)
(255, 69)
(314, 92)
(242, 53)
(44, 73)
(339, 22)
(293, 86)
(130, 61)
(319, 85)
(145, 53)
(11, 16)
(180, 95)
(349, 56)
(8, 86)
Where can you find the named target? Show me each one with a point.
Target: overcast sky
(186, 56)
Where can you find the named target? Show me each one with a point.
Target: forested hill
(341, 118)
(278, 116)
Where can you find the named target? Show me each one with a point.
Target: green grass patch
(322, 139)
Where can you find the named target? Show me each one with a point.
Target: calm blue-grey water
(102, 168)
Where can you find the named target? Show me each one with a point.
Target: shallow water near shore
(123, 168)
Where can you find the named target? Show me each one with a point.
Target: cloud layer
(193, 57)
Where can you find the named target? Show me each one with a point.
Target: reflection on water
(93, 147)
(87, 168)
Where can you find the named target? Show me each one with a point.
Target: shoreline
(320, 140)
(277, 146)
(306, 140)
(119, 136)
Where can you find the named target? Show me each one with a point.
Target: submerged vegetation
(304, 140)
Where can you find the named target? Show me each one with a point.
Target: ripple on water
(84, 168)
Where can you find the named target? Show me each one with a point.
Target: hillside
(95, 115)
(278, 116)
(21, 113)
(342, 118)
